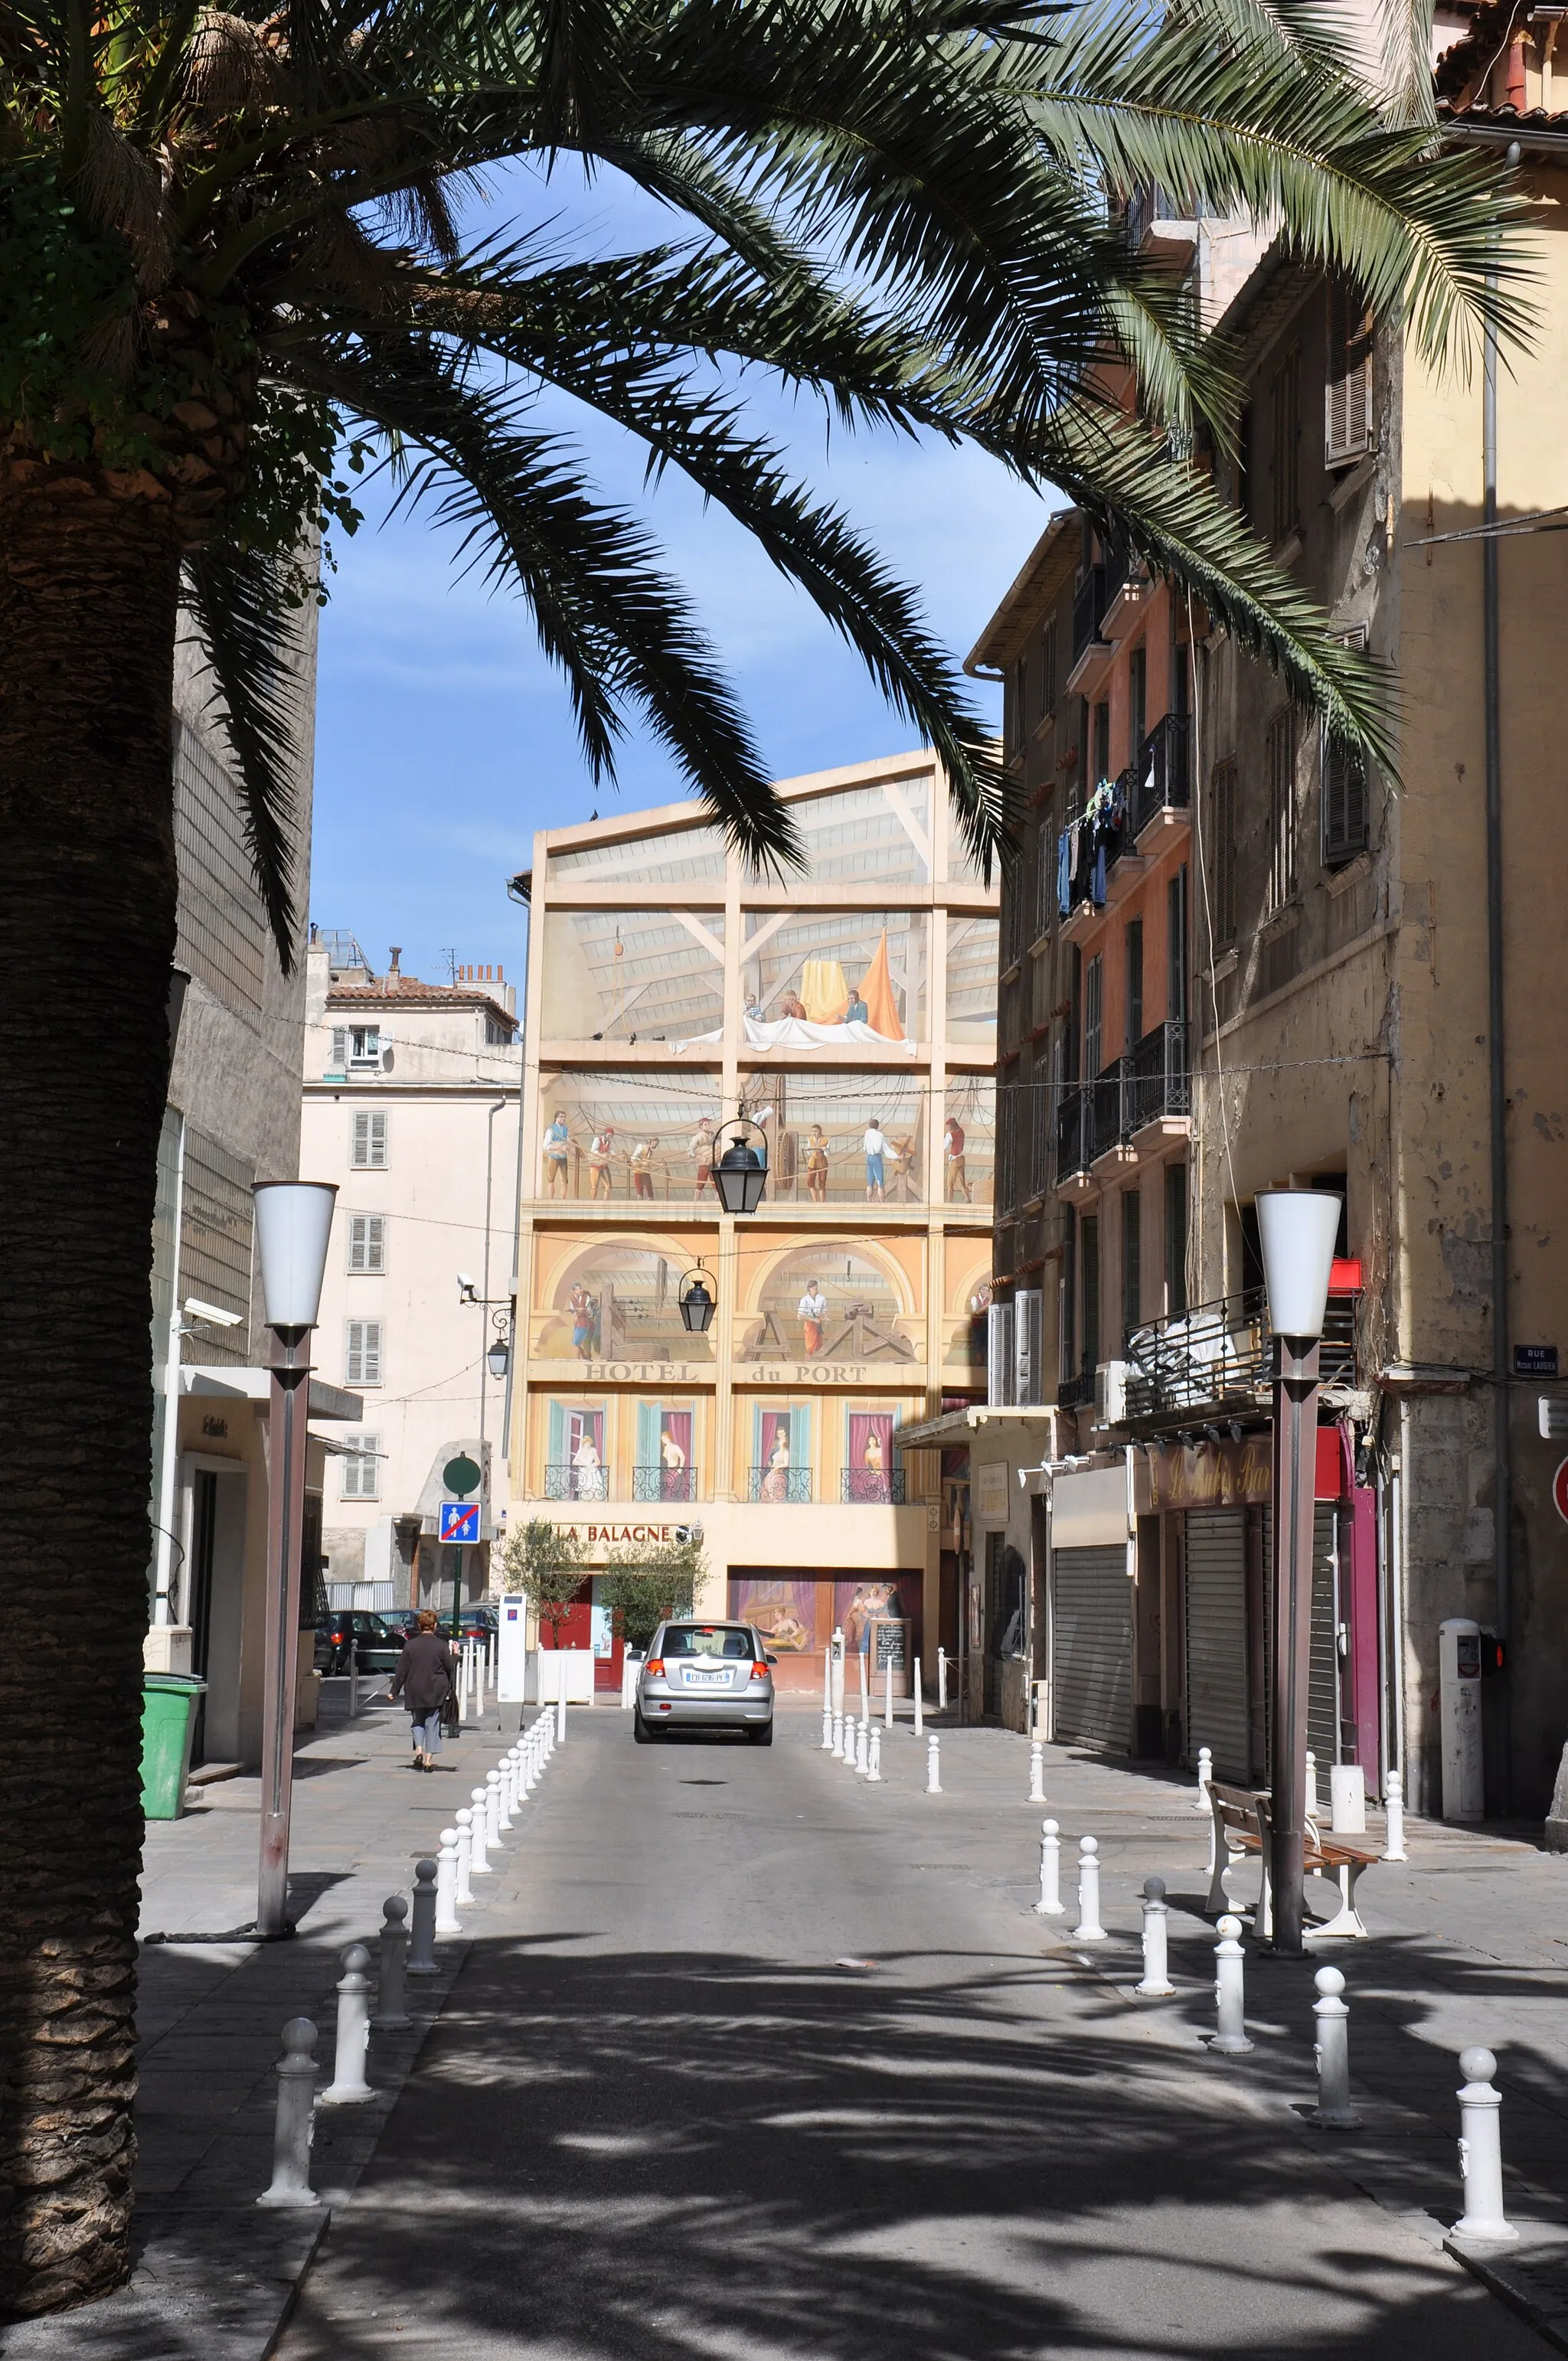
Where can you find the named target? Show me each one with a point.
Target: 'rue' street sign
(459, 1521)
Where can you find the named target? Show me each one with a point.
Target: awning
(256, 1385)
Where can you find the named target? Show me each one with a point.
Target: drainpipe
(1495, 1013)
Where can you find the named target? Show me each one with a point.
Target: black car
(379, 1646)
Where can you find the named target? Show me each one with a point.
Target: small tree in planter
(544, 1564)
(648, 1581)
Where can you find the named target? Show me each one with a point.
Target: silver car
(705, 1676)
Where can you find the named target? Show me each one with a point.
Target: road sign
(461, 1475)
(459, 1521)
(1559, 1491)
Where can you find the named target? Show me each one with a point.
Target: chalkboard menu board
(892, 1642)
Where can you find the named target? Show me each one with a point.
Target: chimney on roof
(397, 955)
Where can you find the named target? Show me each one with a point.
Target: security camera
(212, 1315)
(467, 1290)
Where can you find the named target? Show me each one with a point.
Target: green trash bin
(167, 1719)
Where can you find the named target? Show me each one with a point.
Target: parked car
(403, 1620)
(379, 1646)
(705, 1676)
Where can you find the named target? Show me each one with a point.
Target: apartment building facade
(848, 1012)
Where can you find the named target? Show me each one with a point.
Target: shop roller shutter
(1091, 1646)
(1323, 1670)
(1216, 1640)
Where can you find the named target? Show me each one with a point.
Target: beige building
(850, 1012)
(411, 1106)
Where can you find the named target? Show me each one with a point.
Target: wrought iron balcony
(779, 1485)
(566, 1482)
(1074, 1133)
(662, 1483)
(1161, 782)
(881, 1486)
(1160, 222)
(1089, 604)
(1111, 1105)
(1160, 1082)
(1073, 1393)
(1220, 1356)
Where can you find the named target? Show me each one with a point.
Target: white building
(411, 1106)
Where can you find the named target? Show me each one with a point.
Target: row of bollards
(442, 1887)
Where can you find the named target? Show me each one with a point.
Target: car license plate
(707, 1680)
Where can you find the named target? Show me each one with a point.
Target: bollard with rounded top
(826, 1698)
(887, 1695)
(1089, 1929)
(446, 1919)
(862, 1746)
(1394, 1808)
(479, 1835)
(1156, 1983)
(291, 2183)
(1205, 1776)
(1481, 2151)
(1331, 2047)
(933, 1765)
(493, 1810)
(1229, 1997)
(465, 1857)
(837, 1748)
(873, 1754)
(421, 1958)
(1312, 1810)
(391, 1965)
(1050, 1904)
(1036, 1771)
(507, 1773)
(847, 1751)
(919, 1703)
(941, 1680)
(827, 1729)
(348, 2087)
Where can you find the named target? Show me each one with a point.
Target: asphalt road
(750, 2059)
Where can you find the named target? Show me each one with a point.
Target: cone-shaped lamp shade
(1297, 1229)
(293, 1223)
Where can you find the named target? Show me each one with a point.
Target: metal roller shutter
(1216, 1639)
(1322, 1669)
(1091, 1646)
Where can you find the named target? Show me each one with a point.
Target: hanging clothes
(1064, 870)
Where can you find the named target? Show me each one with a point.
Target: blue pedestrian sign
(459, 1521)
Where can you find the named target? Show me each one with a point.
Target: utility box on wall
(1459, 1709)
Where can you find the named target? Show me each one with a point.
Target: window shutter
(363, 1353)
(1344, 802)
(339, 1048)
(1348, 422)
(360, 1479)
(369, 1147)
(366, 1242)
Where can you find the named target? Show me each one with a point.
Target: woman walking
(424, 1675)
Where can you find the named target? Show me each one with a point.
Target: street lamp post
(293, 1221)
(1297, 1230)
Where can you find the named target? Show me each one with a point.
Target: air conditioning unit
(998, 1355)
(1028, 1343)
(1111, 1392)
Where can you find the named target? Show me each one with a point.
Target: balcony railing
(1161, 1079)
(1074, 1392)
(1089, 604)
(663, 1483)
(1150, 208)
(1074, 1153)
(882, 1485)
(1161, 772)
(567, 1482)
(779, 1484)
(1222, 1353)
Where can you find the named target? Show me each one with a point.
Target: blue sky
(445, 738)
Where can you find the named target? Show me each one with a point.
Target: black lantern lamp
(696, 1301)
(498, 1359)
(741, 1172)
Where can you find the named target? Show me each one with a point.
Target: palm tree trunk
(89, 588)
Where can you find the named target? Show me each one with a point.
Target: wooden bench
(1241, 1825)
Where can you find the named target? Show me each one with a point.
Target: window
(1091, 1290)
(366, 1242)
(1137, 701)
(1281, 808)
(367, 1149)
(1344, 804)
(1135, 983)
(364, 1045)
(500, 1032)
(1042, 1098)
(361, 1478)
(1093, 1021)
(338, 1062)
(1048, 669)
(1132, 1257)
(1347, 421)
(1176, 947)
(1020, 694)
(1175, 1239)
(1223, 857)
(1067, 1338)
(1287, 410)
(362, 1360)
(1102, 742)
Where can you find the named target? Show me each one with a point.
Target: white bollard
(838, 1746)
(348, 2087)
(874, 1758)
(465, 1859)
(446, 1919)
(421, 1958)
(1205, 1775)
(1050, 1904)
(887, 1699)
(1331, 2047)
(391, 1962)
(1393, 1806)
(506, 1772)
(1230, 1998)
(1481, 2151)
(865, 1685)
(933, 1765)
(353, 1676)
(1036, 1771)
(941, 1680)
(846, 1738)
(862, 1746)
(919, 1703)
(1314, 1810)
(559, 1738)
(835, 1654)
(828, 1700)
(1156, 1983)
(478, 1836)
(291, 2182)
(493, 1810)
(1089, 1929)
(462, 1683)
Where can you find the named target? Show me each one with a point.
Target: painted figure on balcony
(957, 1182)
(813, 1311)
(775, 1478)
(816, 1165)
(557, 1150)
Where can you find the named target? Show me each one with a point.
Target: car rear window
(707, 1640)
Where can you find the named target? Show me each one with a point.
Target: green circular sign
(460, 1474)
